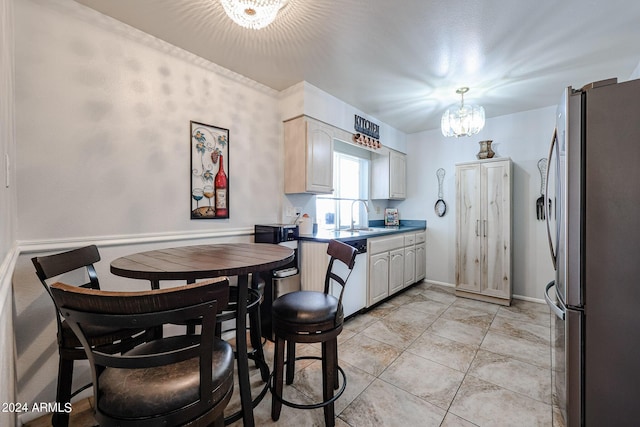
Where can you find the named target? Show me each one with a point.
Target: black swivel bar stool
(309, 317)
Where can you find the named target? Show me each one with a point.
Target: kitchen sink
(365, 230)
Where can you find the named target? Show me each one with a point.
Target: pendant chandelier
(462, 120)
(253, 14)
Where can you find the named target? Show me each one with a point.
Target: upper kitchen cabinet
(308, 156)
(483, 230)
(388, 175)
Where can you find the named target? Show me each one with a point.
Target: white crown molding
(296, 88)
(107, 23)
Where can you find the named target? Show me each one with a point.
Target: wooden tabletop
(202, 261)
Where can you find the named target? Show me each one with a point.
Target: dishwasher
(354, 298)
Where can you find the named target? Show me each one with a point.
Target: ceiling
(401, 61)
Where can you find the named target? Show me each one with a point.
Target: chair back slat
(179, 351)
(54, 265)
(343, 252)
(339, 251)
(114, 302)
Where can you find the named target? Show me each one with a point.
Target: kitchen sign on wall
(366, 127)
(368, 133)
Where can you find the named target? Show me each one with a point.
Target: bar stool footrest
(311, 405)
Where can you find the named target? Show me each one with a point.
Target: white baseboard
(520, 297)
(530, 299)
(435, 282)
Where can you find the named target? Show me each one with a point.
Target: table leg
(241, 348)
(191, 329)
(158, 332)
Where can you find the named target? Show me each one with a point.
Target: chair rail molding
(7, 355)
(32, 246)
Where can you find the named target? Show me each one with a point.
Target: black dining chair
(311, 317)
(178, 379)
(229, 313)
(254, 301)
(79, 265)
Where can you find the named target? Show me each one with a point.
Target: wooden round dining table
(191, 263)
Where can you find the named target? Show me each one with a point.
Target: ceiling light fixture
(253, 14)
(462, 120)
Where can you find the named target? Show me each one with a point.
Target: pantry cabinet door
(496, 229)
(468, 224)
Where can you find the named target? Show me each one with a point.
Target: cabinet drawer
(409, 239)
(385, 244)
(421, 237)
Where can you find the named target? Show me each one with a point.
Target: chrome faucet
(366, 207)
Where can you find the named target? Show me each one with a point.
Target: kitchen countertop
(376, 229)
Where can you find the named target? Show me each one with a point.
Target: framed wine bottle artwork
(209, 171)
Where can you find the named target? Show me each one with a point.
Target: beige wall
(7, 207)
(524, 137)
(102, 130)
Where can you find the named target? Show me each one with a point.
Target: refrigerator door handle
(554, 141)
(558, 311)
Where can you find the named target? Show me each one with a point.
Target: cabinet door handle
(485, 228)
(477, 222)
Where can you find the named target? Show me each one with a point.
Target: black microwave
(275, 233)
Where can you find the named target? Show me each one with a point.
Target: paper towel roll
(306, 225)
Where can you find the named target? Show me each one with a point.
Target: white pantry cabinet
(308, 156)
(483, 230)
(389, 175)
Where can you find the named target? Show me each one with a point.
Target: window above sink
(351, 183)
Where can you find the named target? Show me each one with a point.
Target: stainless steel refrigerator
(594, 236)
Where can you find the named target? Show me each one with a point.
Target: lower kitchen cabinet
(395, 262)
(391, 263)
(409, 259)
(396, 270)
(421, 261)
(378, 278)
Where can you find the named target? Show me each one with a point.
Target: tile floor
(429, 358)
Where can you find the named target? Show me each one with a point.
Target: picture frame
(391, 217)
(209, 195)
